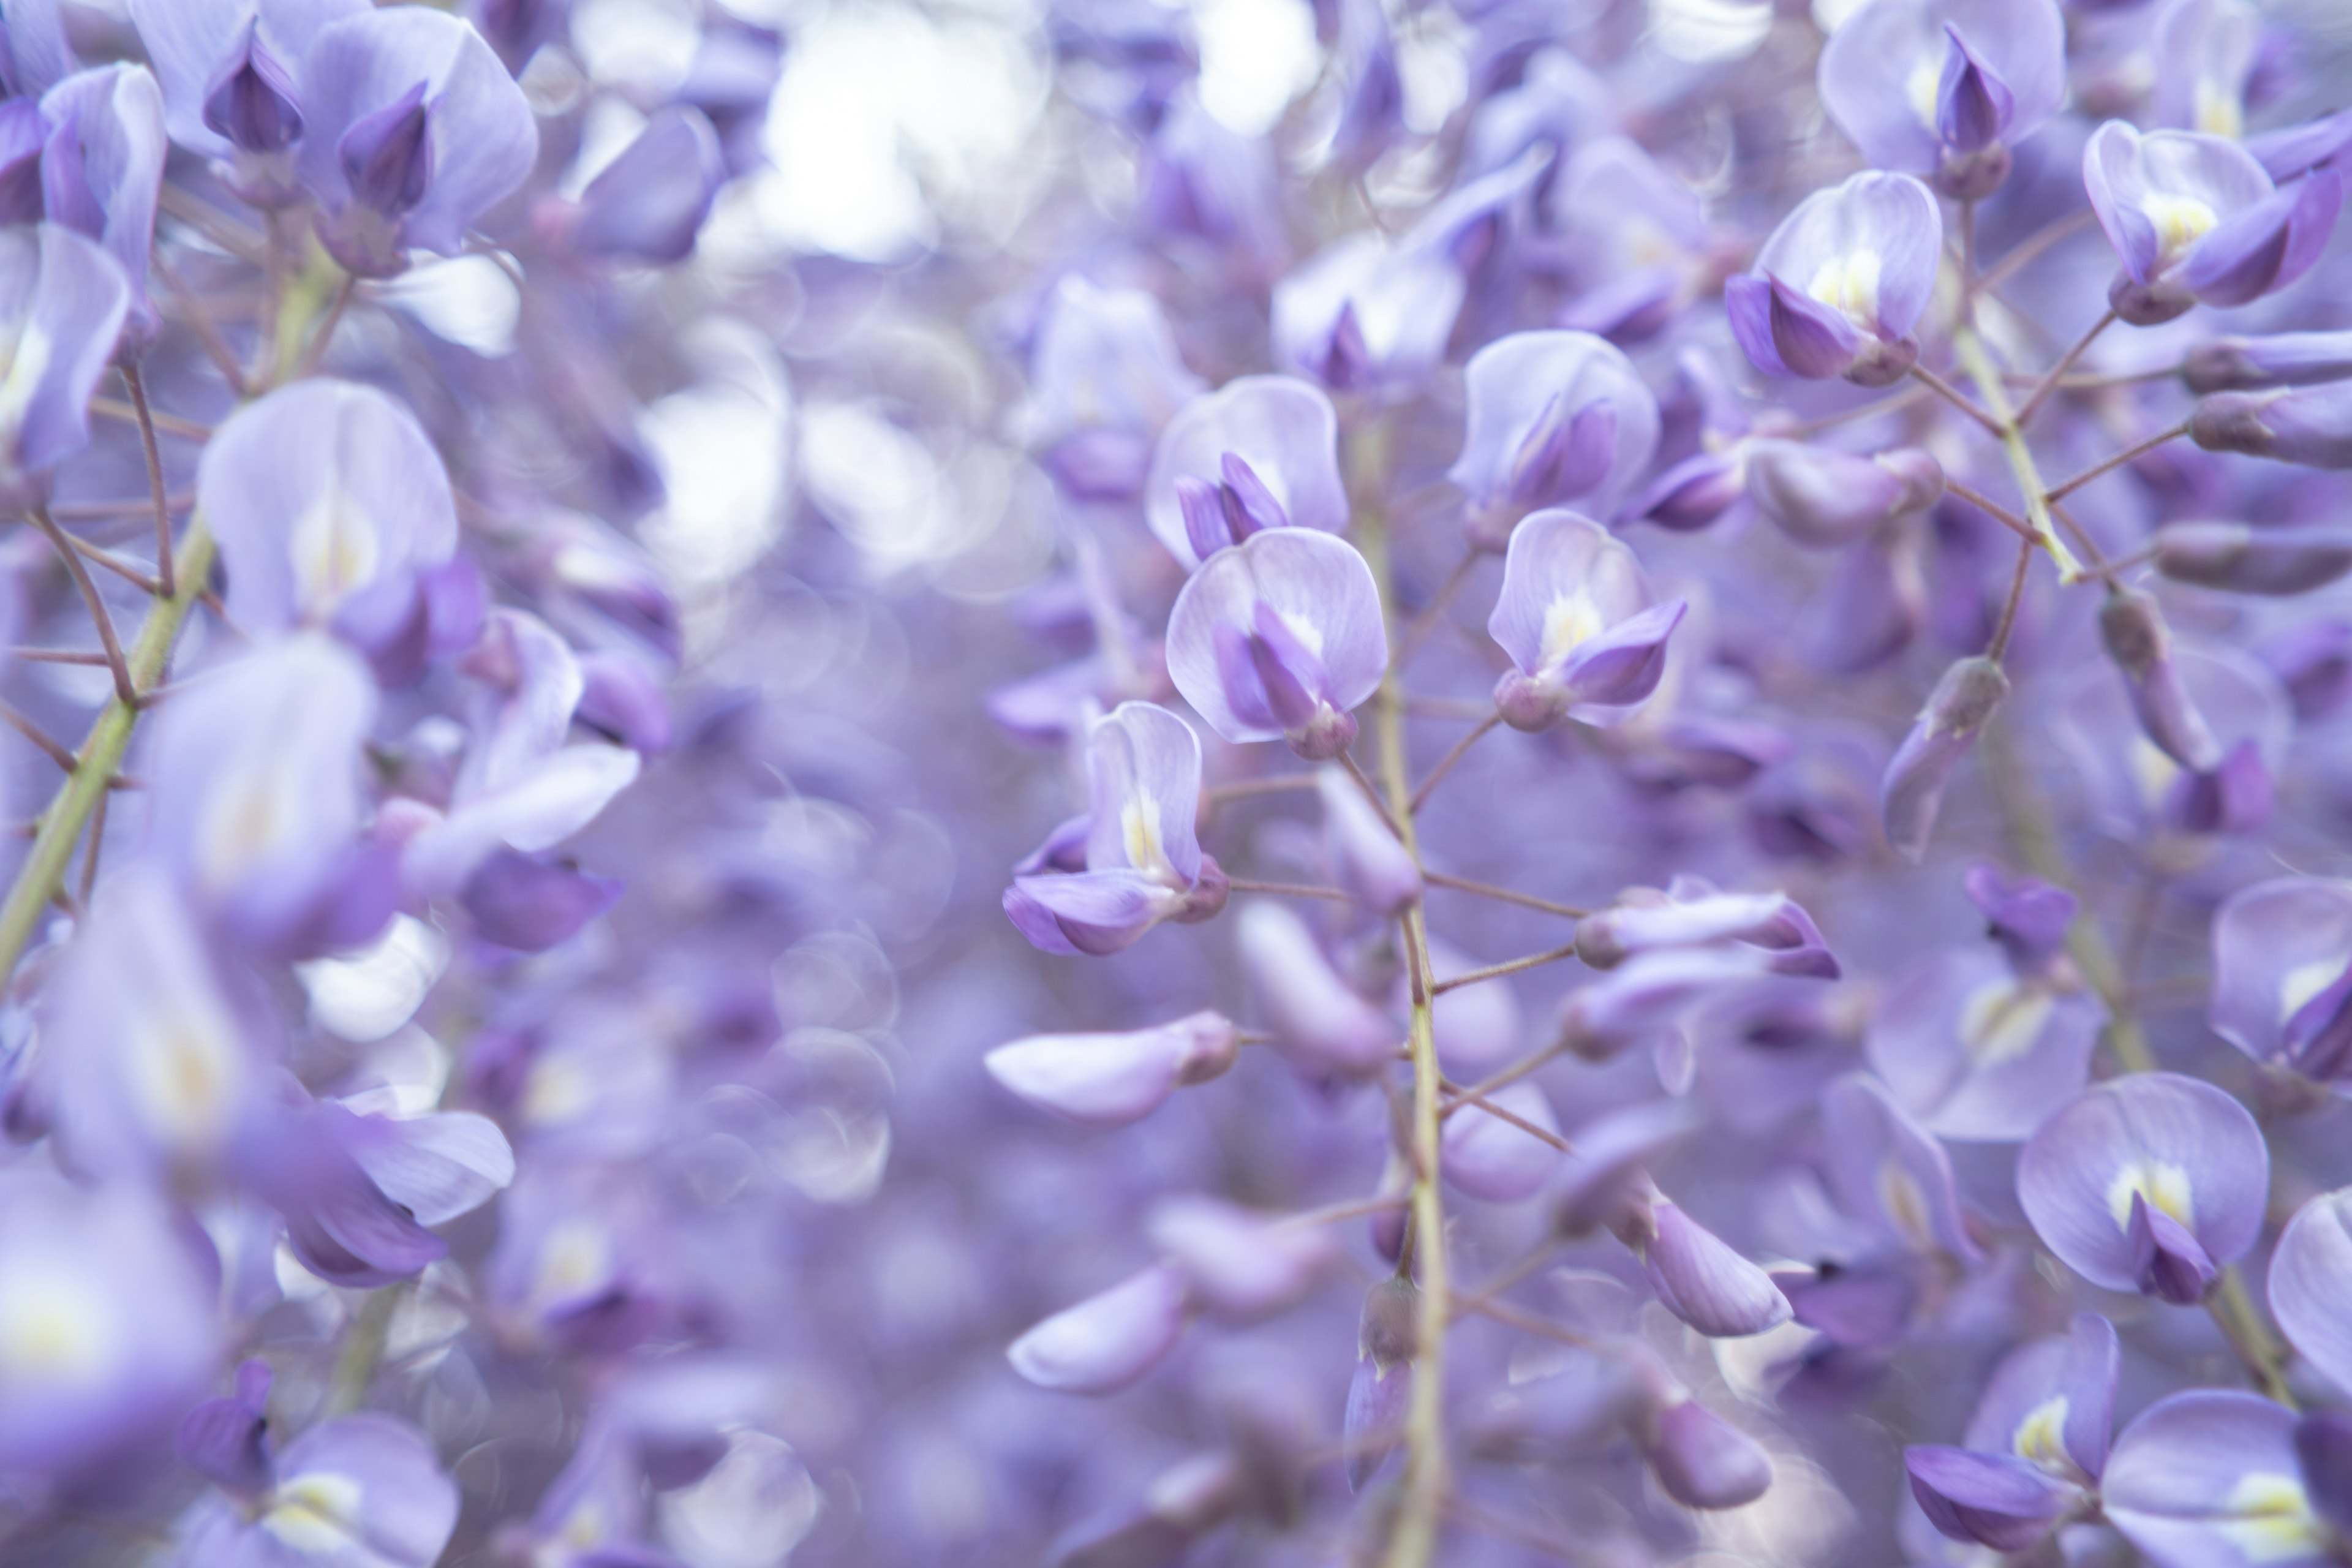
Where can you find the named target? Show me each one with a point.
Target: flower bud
(1913, 790)
(1387, 1335)
(1601, 1174)
(2248, 560)
(1236, 1264)
(1322, 1023)
(1106, 1341)
(1829, 498)
(2312, 427)
(1646, 921)
(1109, 1080)
(1698, 1277)
(1649, 992)
(228, 1440)
(1695, 491)
(1372, 863)
(2133, 630)
(1703, 1461)
(2026, 917)
(2282, 359)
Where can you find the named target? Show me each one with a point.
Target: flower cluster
(1568, 794)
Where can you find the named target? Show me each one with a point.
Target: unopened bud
(2312, 425)
(1703, 1461)
(2282, 359)
(1827, 498)
(2248, 560)
(2133, 630)
(1698, 1277)
(1912, 791)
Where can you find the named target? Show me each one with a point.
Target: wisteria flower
(2195, 219)
(363, 1488)
(63, 302)
(2283, 976)
(2215, 1476)
(2152, 1182)
(1105, 378)
(1944, 89)
(103, 166)
(228, 70)
(1140, 862)
(1260, 452)
(1838, 288)
(1278, 638)
(1577, 617)
(1109, 1080)
(2035, 1449)
(1554, 418)
(2310, 1270)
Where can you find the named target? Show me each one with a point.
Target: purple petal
(2209, 1478)
(1109, 1080)
(2310, 1273)
(1991, 1499)
(1282, 429)
(1106, 1341)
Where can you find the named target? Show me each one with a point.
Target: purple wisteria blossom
(1260, 452)
(1945, 89)
(1577, 619)
(63, 302)
(1554, 418)
(1841, 284)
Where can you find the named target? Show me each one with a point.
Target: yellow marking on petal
(1906, 1205)
(316, 1511)
(2002, 1019)
(1139, 824)
(52, 1330)
(335, 550)
(2218, 112)
(2041, 1435)
(2164, 1184)
(1923, 86)
(2305, 981)
(2151, 769)
(558, 1090)
(1572, 619)
(1849, 284)
(27, 362)
(2180, 222)
(2273, 1520)
(577, 1255)
(185, 1063)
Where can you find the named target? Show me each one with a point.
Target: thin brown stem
(2009, 606)
(1371, 793)
(1496, 971)
(1527, 1322)
(125, 688)
(1504, 895)
(1460, 1097)
(2022, 254)
(167, 424)
(1290, 889)
(1956, 398)
(1445, 763)
(40, 737)
(2041, 393)
(200, 321)
(1993, 510)
(129, 571)
(1895, 405)
(55, 656)
(136, 384)
(1216, 794)
(2138, 449)
(112, 511)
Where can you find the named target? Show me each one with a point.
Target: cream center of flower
(1572, 619)
(2218, 112)
(1138, 822)
(1849, 285)
(335, 550)
(2180, 222)
(2002, 1019)
(1923, 86)
(315, 1512)
(27, 362)
(50, 1330)
(2305, 981)
(184, 1063)
(2273, 1519)
(2164, 1185)
(2041, 1435)
(1906, 1205)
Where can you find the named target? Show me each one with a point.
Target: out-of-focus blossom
(1842, 281)
(1554, 418)
(103, 167)
(2282, 975)
(2036, 1449)
(63, 302)
(1944, 89)
(2308, 1274)
(411, 131)
(1828, 499)
(1109, 1080)
(1109, 1341)
(364, 1489)
(1105, 377)
(648, 205)
(1321, 1024)
(2213, 1476)
(2153, 1183)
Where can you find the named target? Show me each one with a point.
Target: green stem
(101, 753)
(2242, 1324)
(1991, 386)
(363, 1349)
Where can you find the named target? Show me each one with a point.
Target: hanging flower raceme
(1577, 617)
(2194, 219)
(1278, 638)
(1840, 284)
(1102, 880)
(1945, 89)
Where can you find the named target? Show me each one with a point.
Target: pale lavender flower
(2205, 56)
(648, 205)
(2213, 1477)
(2152, 1182)
(1495, 1160)
(1323, 1025)
(1367, 857)
(1111, 1079)
(2282, 975)
(2194, 219)
(1142, 859)
(1691, 912)
(228, 1441)
(1840, 284)
(413, 129)
(1260, 452)
(1945, 88)
(2311, 425)
(1577, 617)
(2036, 1449)
(1828, 499)
(63, 301)
(1107, 1340)
(102, 168)
(1278, 638)
(1700, 1459)
(2310, 1270)
(1553, 417)
(365, 1491)
(228, 70)
(1911, 794)
(1978, 1051)
(1105, 378)
(1885, 1171)
(1697, 1277)
(1240, 1265)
